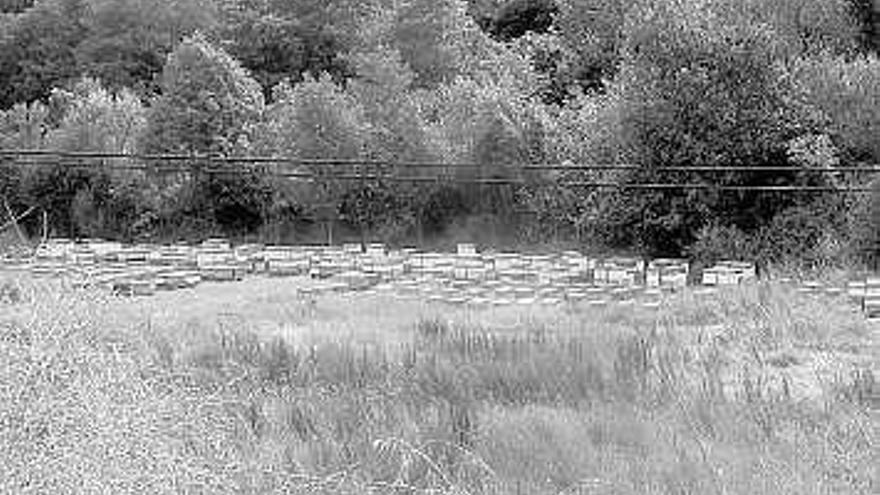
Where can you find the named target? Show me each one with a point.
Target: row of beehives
(144, 269)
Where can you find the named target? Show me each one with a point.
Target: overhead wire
(212, 164)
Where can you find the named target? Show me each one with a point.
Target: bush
(438, 206)
(375, 205)
(812, 235)
(237, 202)
(556, 212)
(54, 190)
(86, 202)
(230, 203)
(720, 242)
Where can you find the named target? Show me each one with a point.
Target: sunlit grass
(757, 390)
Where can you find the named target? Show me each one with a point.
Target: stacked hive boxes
(667, 273)
(217, 262)
(871, 304)
(619, 271)
(856, 291)
(362, 269)
(729, 273)
(465, 276)
(279, 261)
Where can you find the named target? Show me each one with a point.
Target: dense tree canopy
(127, 40)
(497, 84)
(15, 6)
(209, 103)
(37, 53)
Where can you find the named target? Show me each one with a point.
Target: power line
(313, 176)
(275, 160)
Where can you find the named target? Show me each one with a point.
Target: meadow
(260, 389)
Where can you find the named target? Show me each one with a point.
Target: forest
(747, 93)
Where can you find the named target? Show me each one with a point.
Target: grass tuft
(756, 391)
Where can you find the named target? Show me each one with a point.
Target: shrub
(720, 242)
(54, 190)
(812, 235)
(438, 206)
(209, 103)
(373, 205)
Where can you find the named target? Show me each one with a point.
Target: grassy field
(254, 388)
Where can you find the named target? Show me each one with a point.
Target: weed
(705, 398)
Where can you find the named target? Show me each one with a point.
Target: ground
(754, 391)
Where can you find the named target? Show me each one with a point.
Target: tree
(317, 120)
(799, 26)
(24, 126)
(384, 89)
(515, 18)
(127, 41)
(209, 106)
(97, 120)
(37, 53)
(591, 32)
(15, 6)
(698, 91)
(846, 92)
(493, 127)
(280, 41)
(209, 103)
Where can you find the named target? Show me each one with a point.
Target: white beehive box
(466, 249)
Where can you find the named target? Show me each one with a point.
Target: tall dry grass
(757, 391)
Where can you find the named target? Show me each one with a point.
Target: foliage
(695, 92)
(372, 205)
(591, 32)
(38, 52)
(845, 92)
(283, 40)
(313, 120)
(495, 84)
(813, 236)
(715, 242)
(24, 126)
(426, 33)
(15, 6)
(556, 211)
(799, 26)
(384, 88)
(11, 179)
(438, 206)
(236, 203)
(96, 120)
(867, 15)
(109, 207)
(316, 119)
(515, 18)
(127, 41)
(56, 190)
(209, 103)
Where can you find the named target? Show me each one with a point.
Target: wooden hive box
(217, 243)
(871, 303)
(288, 267)
(667, 272)
(856, 291)
(207, 257)
(466, 249)
(221, 272)
(134, 287)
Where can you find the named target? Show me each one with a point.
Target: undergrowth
(708, 396)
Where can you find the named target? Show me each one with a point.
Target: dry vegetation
(757, 391)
